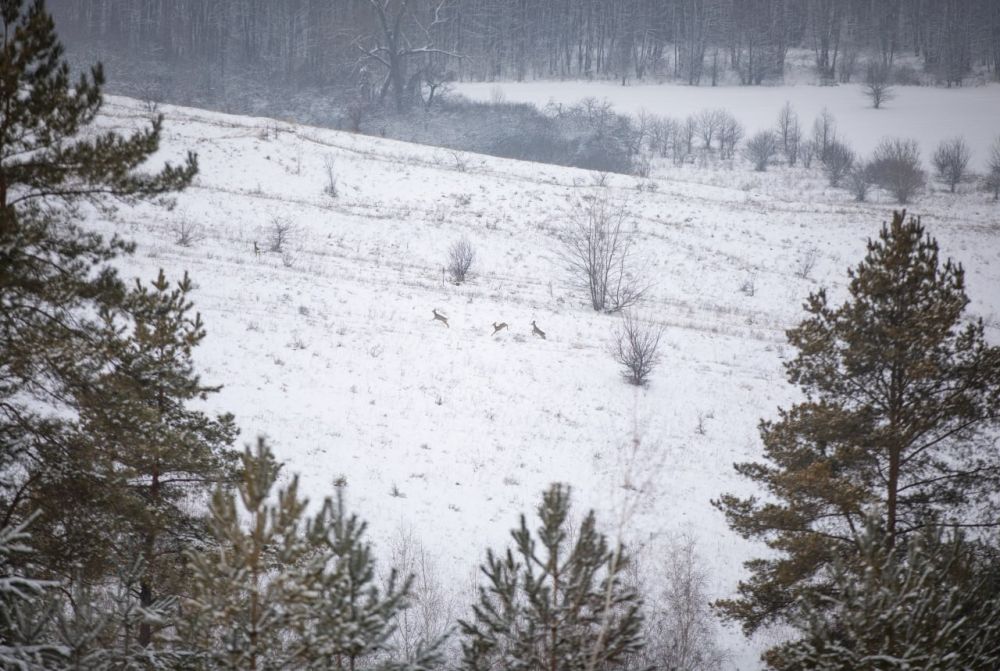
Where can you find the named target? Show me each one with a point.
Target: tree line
(386, 46)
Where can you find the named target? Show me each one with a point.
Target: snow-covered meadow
(330, 350)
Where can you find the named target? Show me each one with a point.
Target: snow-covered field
(926, 114)
(329, 349)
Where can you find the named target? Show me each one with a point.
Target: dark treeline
(384, 46)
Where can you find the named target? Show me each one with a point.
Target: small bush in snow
(280, 235)
(760, 149)
(837, 162)
(951, 161)
(859, 180)
(896, 168)
(635, 347)
(461, 255)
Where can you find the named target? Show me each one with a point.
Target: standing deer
(256, 249)
(499, 327)
(440, 318)
(537, 331)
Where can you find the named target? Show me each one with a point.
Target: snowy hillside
(330, 350)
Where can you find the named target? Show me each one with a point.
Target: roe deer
(440, 318)
(499, 327)
(537, 331)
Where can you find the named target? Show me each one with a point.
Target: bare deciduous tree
(951, 161)
(730, 134)
(461, 255)
(788, 122)
(824, 132)
(598, 250)
(860, 180)
(635, 346)
(896, 168)
(877, 86)
(837, 162)
(709, 124)
(281, 233)
(760, 149)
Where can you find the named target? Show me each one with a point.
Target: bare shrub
(661, 136)
(860, 180)
(807, 263)
(824, 132)
(679, 629)
(896, 168)
(187, 233)
(635, 346)
(760, 149)
(730, 134)
(877, 86)
(330, 188)
(749, 285)
(951, 161)
(280, 234)
(461, 255)
(789, 133)
(837, 163)
(598, 250)
(992, 180)
(807, 151)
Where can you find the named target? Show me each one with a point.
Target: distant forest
(392, 49)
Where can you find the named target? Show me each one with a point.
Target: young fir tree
(898, 399)
(54, 276)
(552, 605)
(933, 606)
(288, 590)
(158, 452)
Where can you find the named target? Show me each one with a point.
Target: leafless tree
(992, 181)
(824, 132)
(329, 166)
(847, 65)
(838, 161)
(598, 247)
(635, 346)
(951, 161)
(730, 134)
(688, 132)
(395, 43)
(859, 180)
(877, 86)
(709, 125)
(896, 168)
(788, 122)
(281, 234)
(760, 149)
(680, 630)
(461, 255)
(187, 233)
(661, 135)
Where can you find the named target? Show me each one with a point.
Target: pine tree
(549, 605)
(155, 450)
(899, 398)
(289, 590)
(931, 606)
(54, 275)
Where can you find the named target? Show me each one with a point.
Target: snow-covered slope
(330, 350)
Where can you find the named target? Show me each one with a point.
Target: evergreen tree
(549, 605)
(289, 591)
(898, 399)
(158, 452)
(931, 606)
(54, 276)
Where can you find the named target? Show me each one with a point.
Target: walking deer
(440, 318)
(499, 327)
(537, 331)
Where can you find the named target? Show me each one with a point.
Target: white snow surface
(926, 114)
(330, 349)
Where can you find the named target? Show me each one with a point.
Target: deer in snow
(440, 318)
(499, 327)
(537, 331)
(256, 249)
